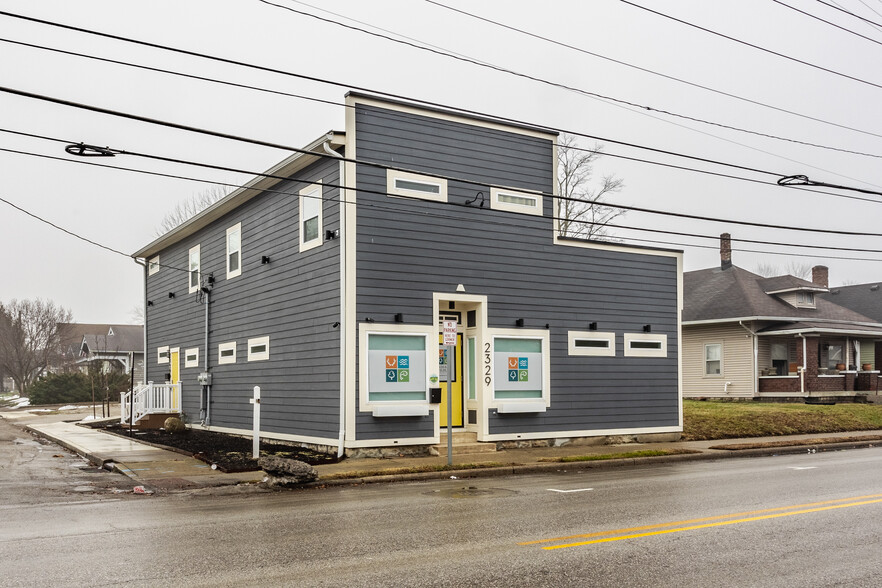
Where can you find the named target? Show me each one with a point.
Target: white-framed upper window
(646, 345)
(162, 354)
(226, 352)
(258, 349)
(592, 343)
(234, 251)
(401, 183)
(153, 265)
(191, 357)
(806, 299)
(193, 267)
(713, 359)
(310, 217)
(516, 201)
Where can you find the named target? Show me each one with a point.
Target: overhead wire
(825, 21)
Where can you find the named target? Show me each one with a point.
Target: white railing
(148, 399)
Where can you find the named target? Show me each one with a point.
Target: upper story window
(516, 201)
(310, 217)
(234, 251)
(153, 265)
(226, 352)
(400, 183)
(805, 299)
(193, 269)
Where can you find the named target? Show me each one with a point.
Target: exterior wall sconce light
(647, 328)
(331, 235)
(171, 294)
(592, 326)
(264, 259)
(519, 322)
(149, 303)
(399, 318)
(368, 320)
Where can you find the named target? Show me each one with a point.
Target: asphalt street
(792, 520)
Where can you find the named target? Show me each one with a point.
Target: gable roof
(863, 298)
(733, 293)
(781, 284)
(97, 337)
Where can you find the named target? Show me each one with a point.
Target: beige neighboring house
(746, 336)
(114, 346)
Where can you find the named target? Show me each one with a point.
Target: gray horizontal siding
(294, 300)
(408, 249)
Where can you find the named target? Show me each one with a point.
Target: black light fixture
(335, 325)
(519, 322)
(171, 294)
(592, 326)
(149, 303)
(331, 235)
(547, 325)
(210, 279)
(264, 259)
(399, 318)
(368, 320)
(647, 328)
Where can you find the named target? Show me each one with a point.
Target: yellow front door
(456, 385)
(175, 360)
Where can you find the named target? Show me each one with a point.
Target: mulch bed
(230, 453)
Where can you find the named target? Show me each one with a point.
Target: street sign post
(449, 330)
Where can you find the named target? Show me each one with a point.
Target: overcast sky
(122, 209)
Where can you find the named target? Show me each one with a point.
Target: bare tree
(794, 268)
(581, 211)
(184, 211)
(30, 338)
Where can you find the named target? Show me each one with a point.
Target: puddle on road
(471, 492)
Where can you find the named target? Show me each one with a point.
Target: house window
(153, 265)
(646, 345)
(834, 356)
(191, 357)
(406, 184)
(310, 217)
(592, 343)
(396, 367)
(713, 359)
(194, 269)
(805, 297)
(780, 358)
(519, 365)
(162, 354)
(226, 353)
(514, 201)
(258, 349)
(234, 251)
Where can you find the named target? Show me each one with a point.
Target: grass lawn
(726, 420)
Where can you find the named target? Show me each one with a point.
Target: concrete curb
(84, 453)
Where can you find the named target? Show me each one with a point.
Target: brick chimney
(820, 276)
(725, 251)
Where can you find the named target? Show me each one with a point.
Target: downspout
(146, 266)
(804, 365)
(206, 388)
(342, 322)
(755, 358)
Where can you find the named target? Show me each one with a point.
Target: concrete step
(464, 443)
(459, 437)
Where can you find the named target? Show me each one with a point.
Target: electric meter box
(204, 378)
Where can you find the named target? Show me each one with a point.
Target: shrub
(61, 388)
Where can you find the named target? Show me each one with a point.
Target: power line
(832, 24)
(852, 14)
(754, 46)
(653, 72)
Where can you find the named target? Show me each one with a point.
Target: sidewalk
(167, 470)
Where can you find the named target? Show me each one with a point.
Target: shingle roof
(787, 283)
(715, 294)
(863, 298)
(125, 338)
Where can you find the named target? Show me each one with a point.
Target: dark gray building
(328, 277)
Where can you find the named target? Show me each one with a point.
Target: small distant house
(746, 336)
(109, 347)
(865, 299)
(325, 282)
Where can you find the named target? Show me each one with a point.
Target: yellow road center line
(699, 520)
(717, 524)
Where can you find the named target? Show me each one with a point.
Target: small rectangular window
(153, 265)
(400, 183)
(226, 353)
(713, 359)
(310, 217)
(162, 354)
(516, 201)
(193, 269)
(191, 357)
(234, 251)
(646, 345)
(258, 349)
(592, 343)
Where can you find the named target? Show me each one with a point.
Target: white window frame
(609, 338)
(237, 228)
(404, 407)
(706, 360)
(497, 204)
(260, 355)
(805, 299)
(159, 355)
(311, 193)
(193, 351)
(631, 338)
(190, 287)
(393, 177)
(153, 265)
(230, 345)
(511, 404)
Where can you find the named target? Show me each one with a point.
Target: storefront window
(518, 367)
(396, 367)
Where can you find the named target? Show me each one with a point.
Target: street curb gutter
(94, 459)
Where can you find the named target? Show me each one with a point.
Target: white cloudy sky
(122, 209)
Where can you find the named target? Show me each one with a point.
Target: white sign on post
(255, 443)
(449, 329)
